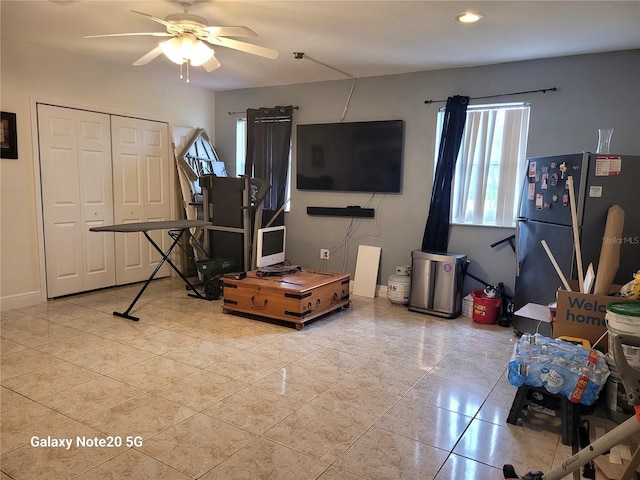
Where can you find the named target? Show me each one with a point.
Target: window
(241, 145)
(490, 164)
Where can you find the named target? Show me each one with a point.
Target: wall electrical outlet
(324, 253)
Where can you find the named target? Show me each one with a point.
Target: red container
(485, 309)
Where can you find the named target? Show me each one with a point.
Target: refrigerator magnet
(563, 169)
(554, 180)
(595, 191)
(554, 198)
(545, 181)
(608, 166)
(565, 199)
(532, 169)
(531, 194)
(539, 201)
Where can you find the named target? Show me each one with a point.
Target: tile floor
(370, 392)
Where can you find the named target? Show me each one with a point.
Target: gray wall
(594, 91)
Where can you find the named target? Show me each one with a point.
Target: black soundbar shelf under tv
(342, 211)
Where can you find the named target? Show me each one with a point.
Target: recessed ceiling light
(468, 17)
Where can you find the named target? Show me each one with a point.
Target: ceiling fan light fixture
(187, 45)
(171, 49)
(200, 54)
(186, 48)
(468, 17)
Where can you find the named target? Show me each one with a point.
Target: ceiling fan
(187, 47)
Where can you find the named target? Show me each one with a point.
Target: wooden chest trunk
(295, 297)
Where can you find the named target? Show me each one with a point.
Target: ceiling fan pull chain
(181, 76)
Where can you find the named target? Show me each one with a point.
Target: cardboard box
(582, 315)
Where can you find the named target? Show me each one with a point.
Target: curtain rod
(542, 90)
(238, 113)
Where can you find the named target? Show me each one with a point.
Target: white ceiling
(361, 38)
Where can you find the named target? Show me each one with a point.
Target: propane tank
(399, 285)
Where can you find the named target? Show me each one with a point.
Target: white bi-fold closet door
(100, 169)
(142, 193)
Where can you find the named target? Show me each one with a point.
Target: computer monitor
(270, 246)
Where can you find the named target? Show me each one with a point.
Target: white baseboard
(21, 300)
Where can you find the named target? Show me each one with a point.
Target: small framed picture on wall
(8, 136)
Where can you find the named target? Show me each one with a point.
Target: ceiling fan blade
(244, 47)
(231, 32)
(140, 34)
(211, 64)
(148, 56)
(155, 19)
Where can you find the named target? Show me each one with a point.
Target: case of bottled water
(559, 366)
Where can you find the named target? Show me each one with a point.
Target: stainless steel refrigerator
(600, 181)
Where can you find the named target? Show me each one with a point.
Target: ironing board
(177, 228)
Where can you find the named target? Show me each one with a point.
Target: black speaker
(352, 211)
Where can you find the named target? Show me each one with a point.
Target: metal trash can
(436, 283)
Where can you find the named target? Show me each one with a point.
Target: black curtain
(436, 232)
(268, 146)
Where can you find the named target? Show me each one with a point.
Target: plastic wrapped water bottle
(560, 367)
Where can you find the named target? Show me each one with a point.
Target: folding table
(177, 228)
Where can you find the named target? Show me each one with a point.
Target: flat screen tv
(270, 246)
(350, 156)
